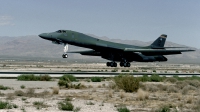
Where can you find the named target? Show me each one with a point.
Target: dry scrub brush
(172, 89)
(142, 95)
(171, 79)
(187, 88)
(55, 90)
(196, 106)
(127, 82)
(181, 84)
(194, 83)
(151, 88)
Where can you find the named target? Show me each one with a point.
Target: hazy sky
(142, 20)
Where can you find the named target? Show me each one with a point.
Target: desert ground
(101, 96)
(104, 96)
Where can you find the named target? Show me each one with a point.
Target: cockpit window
(61, 31)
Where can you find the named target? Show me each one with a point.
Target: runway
(12, 74)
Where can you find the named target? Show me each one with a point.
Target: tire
(111, 64)
(125, 64)
(121, 64)
(108, 64)
(128, 64)
(64, 55)
(114, 64)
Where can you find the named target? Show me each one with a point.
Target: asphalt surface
(91, 74)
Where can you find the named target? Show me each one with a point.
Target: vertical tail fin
(159, 42)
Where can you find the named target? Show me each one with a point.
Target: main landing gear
(125, 64)
(111, 64)
(122, 64)
(65, 51)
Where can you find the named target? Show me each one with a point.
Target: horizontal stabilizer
(156, 51)
(152, 50)
(166, 47)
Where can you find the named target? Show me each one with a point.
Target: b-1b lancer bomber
(115, 52)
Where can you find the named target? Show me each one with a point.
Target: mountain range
(31, 47)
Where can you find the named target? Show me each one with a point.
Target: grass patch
(135, 71)
(66, 80)
(19, 93)
(125, 71)
(96, 79)
(32, 77)
(164, 109)
(23, 99)
(123, 109)
(114, 70)
(68, 77)
(7, 105)
(39, 104)
(65, 105)
(156, 78)
(22, 87)
(4, 87)
(127, 82)
(145, 78)
(186, 78)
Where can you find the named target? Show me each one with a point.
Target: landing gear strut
(65, 51)
(111, 64)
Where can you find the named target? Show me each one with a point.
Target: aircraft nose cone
(43, 35)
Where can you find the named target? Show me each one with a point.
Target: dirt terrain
(101, 96)
(181, 96)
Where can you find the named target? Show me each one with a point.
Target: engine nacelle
(160, 58)
(153, 58)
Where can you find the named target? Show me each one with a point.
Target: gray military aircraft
(115, 52)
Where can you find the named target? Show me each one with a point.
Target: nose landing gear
(64, 55)
(65, 51)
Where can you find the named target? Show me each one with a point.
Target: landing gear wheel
(108, 64)
(121, 64)
(111, 64)
(65, 50)
(64, 55)
(114, 64)
(128, 64)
